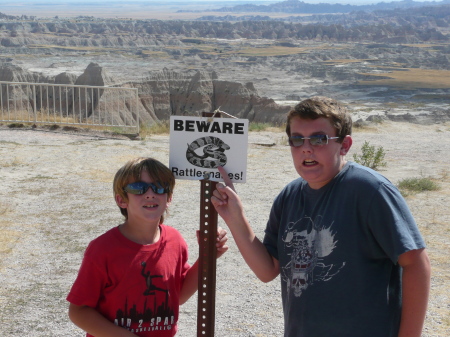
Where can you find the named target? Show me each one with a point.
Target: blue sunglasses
(141, 187)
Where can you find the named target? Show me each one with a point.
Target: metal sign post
(207, 261)
(206, 308)
(198, 146)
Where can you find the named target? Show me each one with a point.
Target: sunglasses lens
(136, 188)
(319, 140)
(141, 188)
(313, 140)
(296, 142)
(158, 189)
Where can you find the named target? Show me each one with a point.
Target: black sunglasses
(315, 140)
(141, 187)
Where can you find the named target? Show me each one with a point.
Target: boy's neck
(142, 235)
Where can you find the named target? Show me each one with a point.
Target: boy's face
(318, 164)
(147, 207)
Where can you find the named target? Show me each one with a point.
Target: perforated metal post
(207, 262)
(207, 259)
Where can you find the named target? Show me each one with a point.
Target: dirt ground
(56, 196)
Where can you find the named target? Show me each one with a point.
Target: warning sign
(198, 145)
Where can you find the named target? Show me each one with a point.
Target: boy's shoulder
(170, 233)
(112, 241)
(295, 184)
(363, 175)
(108, 235)
(105, 240)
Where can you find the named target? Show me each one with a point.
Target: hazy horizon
(144, 9)
(220, 3)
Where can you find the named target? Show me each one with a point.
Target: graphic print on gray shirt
(306, 251)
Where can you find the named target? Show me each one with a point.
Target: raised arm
(415, 290)
(229, 206)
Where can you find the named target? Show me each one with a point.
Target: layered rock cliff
(160, 95)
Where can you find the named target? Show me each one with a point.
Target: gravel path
(56, 196)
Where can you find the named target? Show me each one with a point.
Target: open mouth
(309, 162)
(150, 206)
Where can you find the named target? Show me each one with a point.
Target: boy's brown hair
(320, 106)
(131, 172)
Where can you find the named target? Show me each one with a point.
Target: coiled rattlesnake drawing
(213, 152)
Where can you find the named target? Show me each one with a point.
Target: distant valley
(388, 63)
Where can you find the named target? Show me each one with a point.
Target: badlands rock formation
(168, 93)
(248, 66)
(161, 95)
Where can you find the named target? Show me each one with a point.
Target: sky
(219, 2)
(140, 9)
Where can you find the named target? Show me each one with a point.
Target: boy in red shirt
(134, 277)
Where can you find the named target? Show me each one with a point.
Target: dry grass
(424, 45)
(55, 121)
(344, 61)
(10, 163)
(412, 78)
(152, 53)
(7, 235)
(271, 51)
(74, 48)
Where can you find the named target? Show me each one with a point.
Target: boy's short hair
(131, 172)
(320, 106)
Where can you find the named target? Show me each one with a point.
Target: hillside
(300, 7)
(393, 64)
(425, 24)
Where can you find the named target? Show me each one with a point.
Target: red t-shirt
(135, 286)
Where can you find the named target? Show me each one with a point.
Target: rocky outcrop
(20, 95)
(59, 98)
(95, 75)
(169, 93)
(243, 101)
(65, 78)
(161, 95)
(13, 73)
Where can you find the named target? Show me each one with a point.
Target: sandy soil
(56, 196)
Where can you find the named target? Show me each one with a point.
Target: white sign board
(198, 145)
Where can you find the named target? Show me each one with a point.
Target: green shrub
(371, 157)
(258, 126)
(157, 128)
(416, 185)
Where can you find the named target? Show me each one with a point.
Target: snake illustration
(213, 152)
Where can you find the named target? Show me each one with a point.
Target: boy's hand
(227, 202)
(222, 239)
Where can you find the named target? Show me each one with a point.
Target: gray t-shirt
(338, 249)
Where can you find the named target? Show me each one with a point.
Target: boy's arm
(229, 207)
(190, 283)
(415, 290)
(91, 321)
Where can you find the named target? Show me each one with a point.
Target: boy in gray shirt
(349, 254)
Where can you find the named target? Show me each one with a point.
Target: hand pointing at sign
(221, 197)
(229, 206)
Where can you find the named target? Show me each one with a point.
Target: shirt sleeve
(185, 264)
(392, 223)
(90, 282)
(273, 227)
